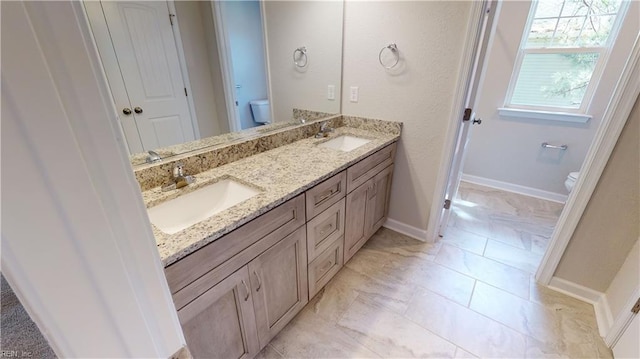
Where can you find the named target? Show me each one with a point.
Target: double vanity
(250, 242)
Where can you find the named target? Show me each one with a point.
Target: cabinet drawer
(241, 243)
(325, 229)
(323, 195)
(325, 266)
(364, 170)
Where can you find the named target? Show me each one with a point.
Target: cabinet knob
(326, 266)
(137, 110)
(126, 111)
(327, 228)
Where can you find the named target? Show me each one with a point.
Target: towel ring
(394, 50)
(297, 60)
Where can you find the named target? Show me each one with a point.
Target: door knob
(126, 111)
(137, 110)
(477, 121)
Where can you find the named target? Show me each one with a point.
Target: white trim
(171, 7)
(604, 318)
(109, 258)
(407, 230)
(226, 67)
(544, 115)
(267, 63)
(515, 188)
(574, 290)
(613, 121)
(609, 328)
(476, 16)
(622, 321)
(588, 295)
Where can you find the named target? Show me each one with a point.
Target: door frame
(615, 117)
(624, 97)
(484, 39)
(226, 67)
(476, 17)
(183, 66)
(623, 320)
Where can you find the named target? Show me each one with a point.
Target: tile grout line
(472, 292)
(274, 349)
(456, 303)
(489, 259)
(507, 325)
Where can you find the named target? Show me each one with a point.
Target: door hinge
(636, 307)
(467, 114)
(185, 91)
(447, 203)
(171, 16)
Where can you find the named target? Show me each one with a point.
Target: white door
(147, 57)
(467, 117)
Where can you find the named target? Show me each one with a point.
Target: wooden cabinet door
(378, 200)
(356, 222)
(221, 322)
(279, 284)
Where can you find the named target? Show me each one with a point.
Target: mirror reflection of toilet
(571, 180)
(261, 111)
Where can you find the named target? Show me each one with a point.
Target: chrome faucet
(153, 157)
(180, 180)
(324, 130)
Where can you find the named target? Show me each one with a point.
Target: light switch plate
(331, 92)
(353, 94)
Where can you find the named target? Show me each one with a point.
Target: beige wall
(194, 23)
(610, 225)
(430, 37)
(625, 282)
(318, 26)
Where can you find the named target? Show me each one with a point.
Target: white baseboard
(407, 230)
(599, 301)
(604, 318)
(516, 188)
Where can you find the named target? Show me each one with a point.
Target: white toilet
(261, 111)
(571, 180)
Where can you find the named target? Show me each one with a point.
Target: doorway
(240, 28)
(507, 159)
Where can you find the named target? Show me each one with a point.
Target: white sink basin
(184, 211)
(345, 143)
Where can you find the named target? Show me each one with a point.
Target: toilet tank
(261, 111)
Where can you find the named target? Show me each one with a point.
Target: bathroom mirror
(185, 75)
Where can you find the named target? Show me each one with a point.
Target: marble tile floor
(470, 295)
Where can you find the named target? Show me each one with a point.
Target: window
(563, 50)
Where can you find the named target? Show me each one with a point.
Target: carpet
(19, 335)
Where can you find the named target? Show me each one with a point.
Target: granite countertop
(280, 174)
